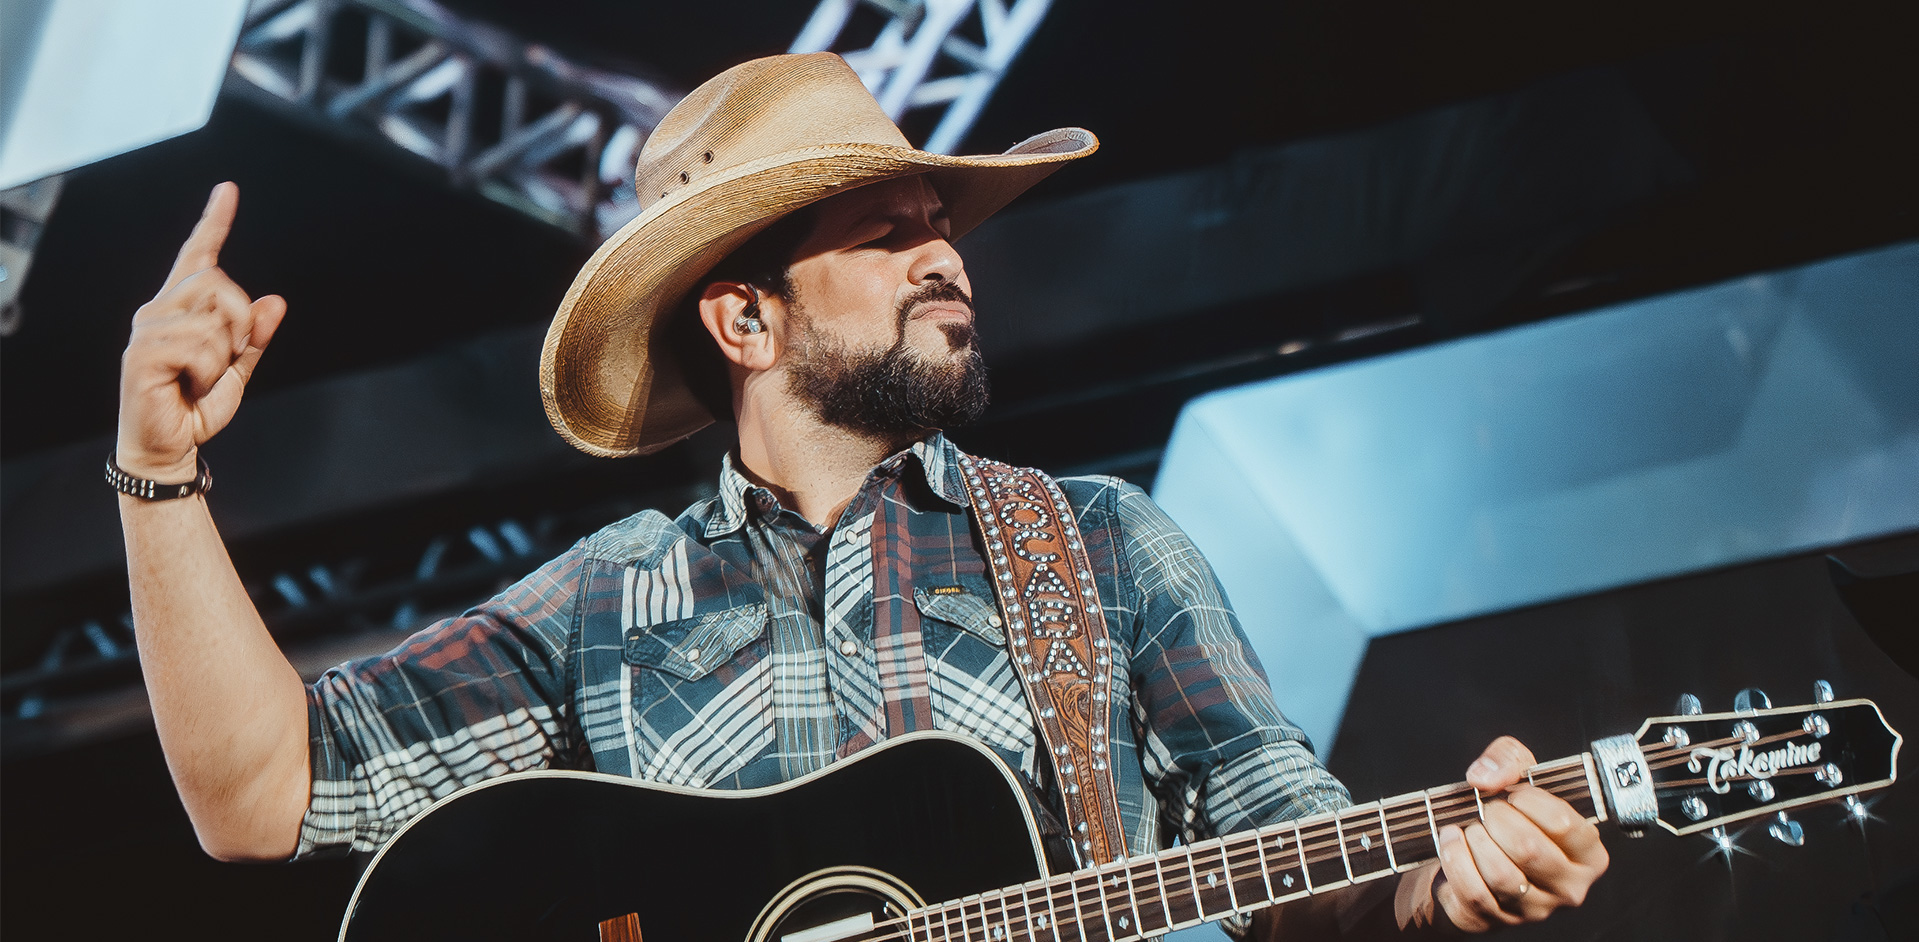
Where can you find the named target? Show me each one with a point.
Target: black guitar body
(548, 855)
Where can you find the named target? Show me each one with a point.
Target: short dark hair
(765, 262)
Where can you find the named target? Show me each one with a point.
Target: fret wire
(1480, 804)
(1265, 869)
(1079, 915)
(1192, 880)
(1432, 822)
(1105, 906)
(1052, 912)
(1026, 911)
(1226, 869)
(1164, 906)
(1133, 897)
(1592, 782)
(1299, 846)
(1339, 828)
(1386, 837)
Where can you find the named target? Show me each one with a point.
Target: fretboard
(1211, 880)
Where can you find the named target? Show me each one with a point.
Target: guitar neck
(1210, 880)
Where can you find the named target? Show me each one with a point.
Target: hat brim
(602, 390)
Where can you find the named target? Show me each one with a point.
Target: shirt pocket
(702, 695)
(969, 676)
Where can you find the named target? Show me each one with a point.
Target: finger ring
(1525, 888)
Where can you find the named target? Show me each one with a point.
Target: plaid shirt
(739, 646)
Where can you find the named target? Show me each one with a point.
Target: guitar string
(1074, 889)
(1240, 850)
(1077, 888)
(1243, 849)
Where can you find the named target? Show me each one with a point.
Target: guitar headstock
(1696, 771)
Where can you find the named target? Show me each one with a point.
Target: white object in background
(83, 80)
(1767, 416)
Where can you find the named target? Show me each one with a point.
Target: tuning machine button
(1751, 700)
(1688, 705)
(1821, 692)
(1787, 831)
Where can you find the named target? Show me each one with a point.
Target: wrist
(151, 489)
(166, 469)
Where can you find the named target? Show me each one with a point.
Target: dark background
(1776, 134)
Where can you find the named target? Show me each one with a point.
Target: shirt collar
(938, 460)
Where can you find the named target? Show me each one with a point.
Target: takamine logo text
(1723, 765)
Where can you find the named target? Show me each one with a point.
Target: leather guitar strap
(1056, 636)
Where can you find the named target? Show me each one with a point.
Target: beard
(892, 392)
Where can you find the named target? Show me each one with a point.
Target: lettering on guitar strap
(1056, 637)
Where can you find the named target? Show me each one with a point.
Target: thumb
(268, 312)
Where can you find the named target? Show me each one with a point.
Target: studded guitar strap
(1056, 636)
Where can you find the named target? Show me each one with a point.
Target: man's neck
(813, 468)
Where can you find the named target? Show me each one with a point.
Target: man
(793, 267)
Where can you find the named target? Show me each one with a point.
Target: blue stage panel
(1764, 416)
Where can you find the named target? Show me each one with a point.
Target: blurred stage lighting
(1771, 415)
(82, 80)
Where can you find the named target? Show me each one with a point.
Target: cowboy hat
(755, 143)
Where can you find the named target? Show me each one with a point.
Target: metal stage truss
(522, 125)
(517, 123)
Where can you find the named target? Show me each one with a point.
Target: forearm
(230, 710)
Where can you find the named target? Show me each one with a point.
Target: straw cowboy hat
(758, 141)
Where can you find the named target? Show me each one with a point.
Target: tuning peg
(1688, 705)
(1722, 842)
(1750, 700)
(1821, 692)
(1787, 831)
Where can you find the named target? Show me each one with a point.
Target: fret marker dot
(1287, 879)
(1125, 923)
(1366, 842)
(1212, 879)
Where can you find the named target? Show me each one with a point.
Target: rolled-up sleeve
(1218, 754)
(464, 700)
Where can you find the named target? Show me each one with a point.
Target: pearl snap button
(848, 648)
(994, 620)
(693, 654)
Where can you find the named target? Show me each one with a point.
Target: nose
(936, 260)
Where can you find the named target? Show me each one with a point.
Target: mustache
(958, 335)
(934, 291)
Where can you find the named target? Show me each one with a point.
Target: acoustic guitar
(930, 838)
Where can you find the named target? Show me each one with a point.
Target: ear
(721, 305)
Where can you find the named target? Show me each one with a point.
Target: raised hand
(192, 350)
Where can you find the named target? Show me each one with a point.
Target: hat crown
(758, 109)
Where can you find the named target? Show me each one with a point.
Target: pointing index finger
(201, 250)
